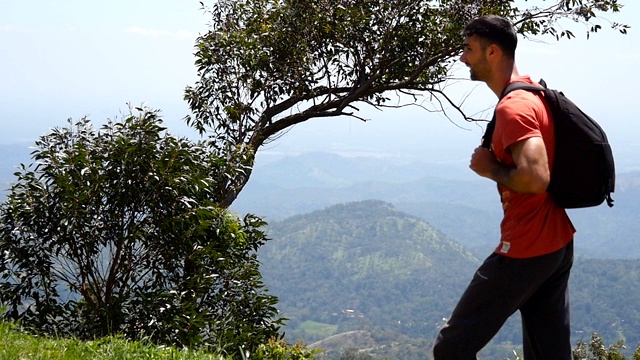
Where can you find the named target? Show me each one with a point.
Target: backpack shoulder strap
(518, 85)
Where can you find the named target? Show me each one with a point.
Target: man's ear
(493, 50)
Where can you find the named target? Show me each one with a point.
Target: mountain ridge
(465, 208)
(364, 264)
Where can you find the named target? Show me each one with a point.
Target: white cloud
(8, 28)
(179, 34)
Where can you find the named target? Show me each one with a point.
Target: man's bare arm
(530, 175)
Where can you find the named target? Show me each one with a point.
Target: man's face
(474, 56)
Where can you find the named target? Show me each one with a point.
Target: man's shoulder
(521, 99)
(518, 100)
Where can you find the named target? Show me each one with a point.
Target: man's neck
(503, 76)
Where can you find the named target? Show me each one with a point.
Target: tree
(117, 231)
(266, 65)
(355, 354)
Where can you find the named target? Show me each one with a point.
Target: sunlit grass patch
(15, 345)
(318, 329)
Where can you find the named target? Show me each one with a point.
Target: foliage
(279, 350)
(355, 354)
(266, 65)
(596, 350)
(118, 231)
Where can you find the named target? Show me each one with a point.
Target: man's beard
(472, 74)
(477, 75)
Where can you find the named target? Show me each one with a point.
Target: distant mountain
(325, 170)
(11, 156)
(605, 232)
(277, 202)
(365, 264)
(458, 203)
(605, 298)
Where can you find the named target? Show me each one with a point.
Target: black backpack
(583, 172)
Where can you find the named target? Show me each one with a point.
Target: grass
(318, 329)
(15, 345)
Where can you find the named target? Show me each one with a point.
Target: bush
(118, 231)
(596, 350)
(279, 350)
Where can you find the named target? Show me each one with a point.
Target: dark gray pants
(501, 286)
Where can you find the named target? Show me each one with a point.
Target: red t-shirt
(533, 225)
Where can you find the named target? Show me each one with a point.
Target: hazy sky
(70, 58)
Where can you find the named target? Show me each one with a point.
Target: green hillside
(364, 265)
(369, 266)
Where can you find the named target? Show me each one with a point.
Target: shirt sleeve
(517, 118)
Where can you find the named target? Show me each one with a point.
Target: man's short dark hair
(495, 30)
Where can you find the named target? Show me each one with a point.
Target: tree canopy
(266, 65)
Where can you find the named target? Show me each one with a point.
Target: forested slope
(369, 266)
(364, 264)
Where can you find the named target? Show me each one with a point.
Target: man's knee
(441, 351)
(445, 348)
(449, 347)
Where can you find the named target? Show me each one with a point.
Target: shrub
(118, 231)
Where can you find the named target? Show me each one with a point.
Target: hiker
(529, 269)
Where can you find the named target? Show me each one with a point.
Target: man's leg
(546, 327)
(479, 315)
(499, 288)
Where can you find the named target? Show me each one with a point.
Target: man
(529, 269)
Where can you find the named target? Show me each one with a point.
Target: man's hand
(530, 175)
(483, 162)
